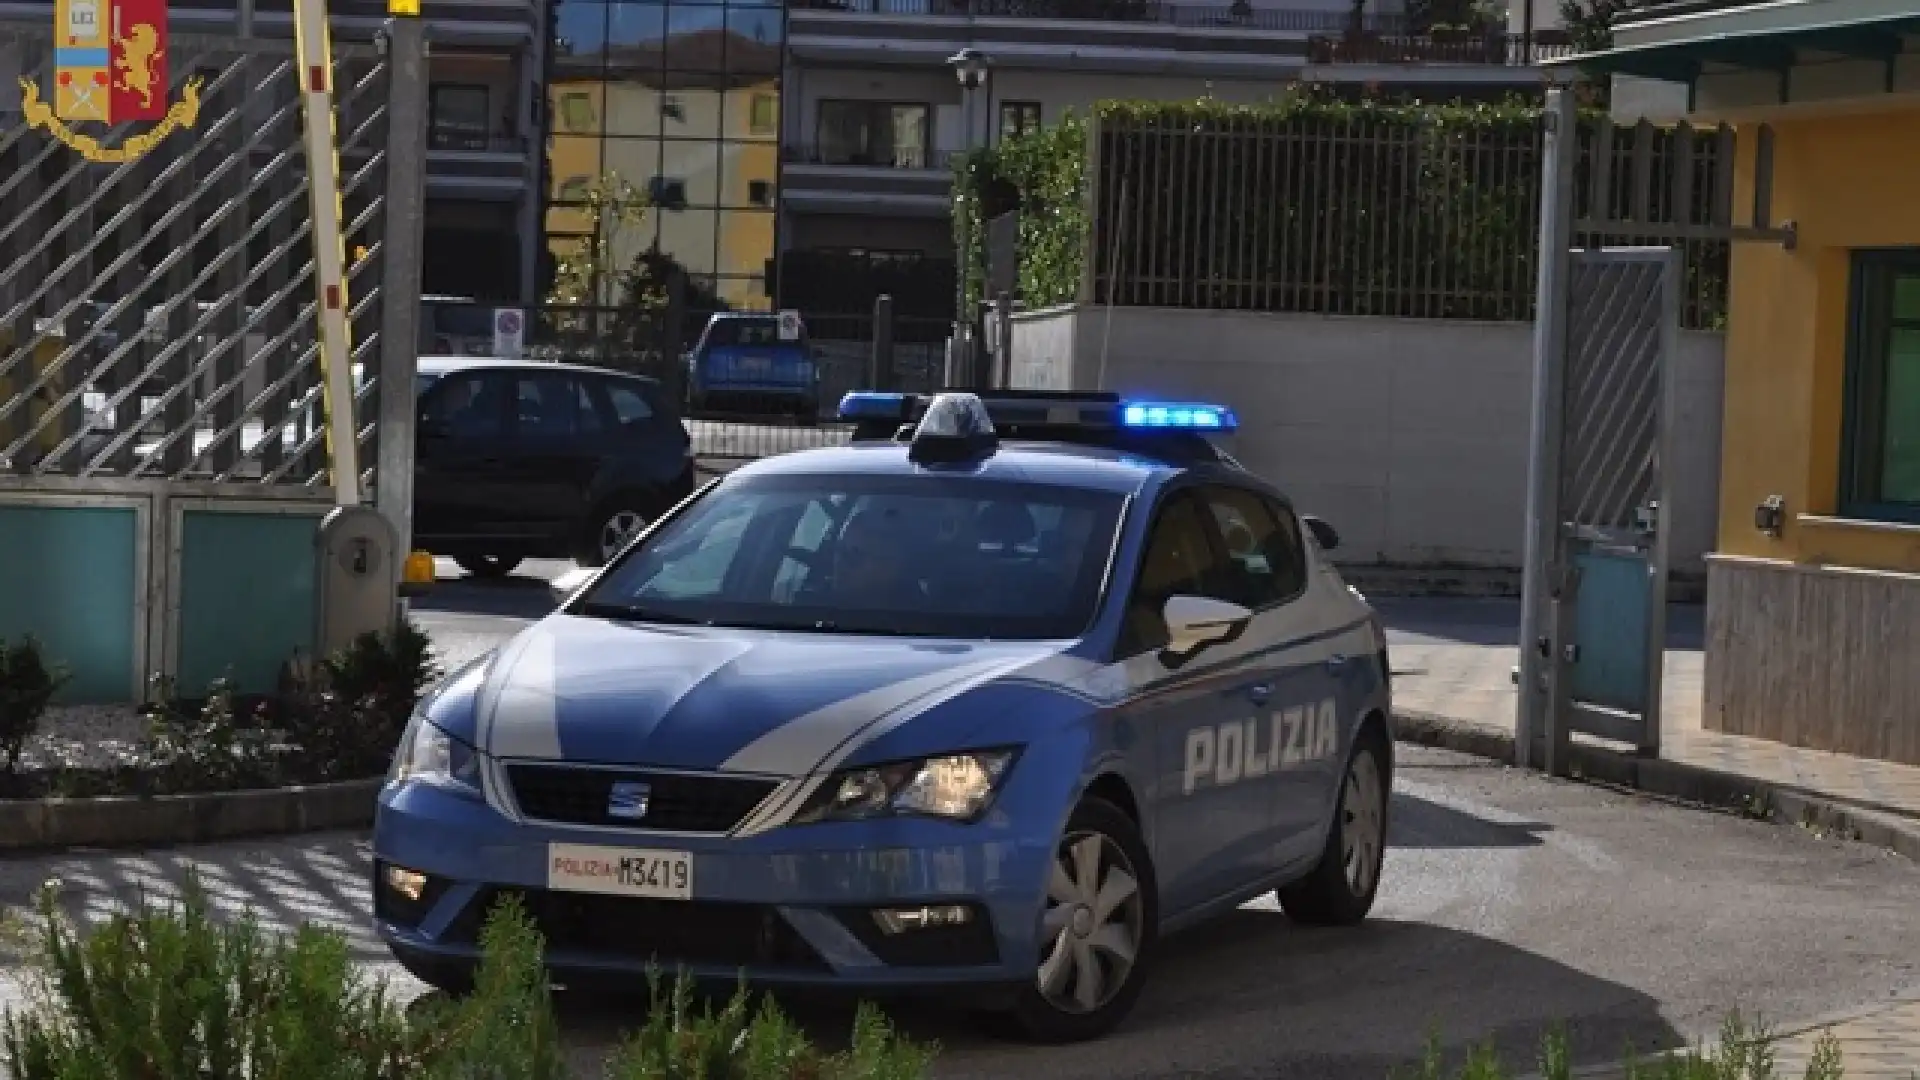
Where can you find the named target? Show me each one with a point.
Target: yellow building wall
(1848, 181)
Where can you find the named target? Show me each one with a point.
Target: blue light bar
(872, 405)
(1180, 415)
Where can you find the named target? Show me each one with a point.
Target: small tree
(1590, 22)
(587, 277)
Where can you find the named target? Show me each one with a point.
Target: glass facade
(679, 102)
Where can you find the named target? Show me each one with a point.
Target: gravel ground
(86, 737)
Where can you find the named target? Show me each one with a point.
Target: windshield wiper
(600, 609)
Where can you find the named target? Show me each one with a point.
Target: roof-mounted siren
(956, 427)
(1178, 416)
(877, 416)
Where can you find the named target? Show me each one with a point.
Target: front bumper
(794, 906)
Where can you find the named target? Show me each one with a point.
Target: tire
(1341, 888)
(599, 545)
(1051, 1008)
(491, 567)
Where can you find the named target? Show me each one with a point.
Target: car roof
(1095, 468)
(444, 365)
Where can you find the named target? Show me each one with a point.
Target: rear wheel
(1098, 925)
(487, 566)
(1340, 890)
(611, 529)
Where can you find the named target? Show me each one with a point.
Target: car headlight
(431, 756)
(958, 787)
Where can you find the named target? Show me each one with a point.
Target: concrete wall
(1409, 435)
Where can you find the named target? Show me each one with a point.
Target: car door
(459, 448)
(558, 441)
(1211, 830)
(1293, 696)
(647, 440)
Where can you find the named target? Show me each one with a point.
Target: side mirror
(1195, 622)
(1323, 533)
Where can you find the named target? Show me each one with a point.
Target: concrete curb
(162, 820)
(1880, 827)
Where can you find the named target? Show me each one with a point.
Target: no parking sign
(509, 332)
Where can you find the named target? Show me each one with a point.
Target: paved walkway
(1454, 658)
(1877, 1043)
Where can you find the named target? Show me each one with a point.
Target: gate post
(880, 364)
(1538, 720)
(400, 249)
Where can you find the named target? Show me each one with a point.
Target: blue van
(740, 364)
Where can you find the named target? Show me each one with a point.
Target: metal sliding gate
(1600, 505)
(163, 450)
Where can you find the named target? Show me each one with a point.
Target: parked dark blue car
(740, 364)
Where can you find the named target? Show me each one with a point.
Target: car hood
(595, 691)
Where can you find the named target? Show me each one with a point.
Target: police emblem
(110, 67)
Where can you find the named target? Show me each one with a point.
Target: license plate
(617, 871)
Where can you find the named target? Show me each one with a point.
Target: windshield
(731, 332)
(913, 556)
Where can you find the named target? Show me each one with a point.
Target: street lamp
(970, 67)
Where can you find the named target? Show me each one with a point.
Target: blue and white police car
(984, 703)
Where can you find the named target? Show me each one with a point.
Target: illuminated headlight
(429, 755)
(957, 787)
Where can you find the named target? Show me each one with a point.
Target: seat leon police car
(984, 703)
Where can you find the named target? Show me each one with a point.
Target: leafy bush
(172, 993)
(27, 686)
(344, 723)
(216, 747)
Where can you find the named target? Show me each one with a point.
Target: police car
(985, 703)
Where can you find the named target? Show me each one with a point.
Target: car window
(1265, 565)
(1180, 560)
(961, 558)
(629, 404)
(468, 406)
(744, 332)
(553, 406)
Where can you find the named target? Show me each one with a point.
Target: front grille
(674, 802)
(666, 932)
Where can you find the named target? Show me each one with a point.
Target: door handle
(1336, 662)
(1260, 692)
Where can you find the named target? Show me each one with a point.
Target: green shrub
(344, 724)
(216, 747)
(27, 685)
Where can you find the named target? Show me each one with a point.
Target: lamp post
(970, 67)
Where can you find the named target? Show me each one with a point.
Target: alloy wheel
(1093, 925)
(1362, 823)
(618, 530)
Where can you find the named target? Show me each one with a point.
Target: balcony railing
(898, 157)
(1498, 50)
(1163, 12)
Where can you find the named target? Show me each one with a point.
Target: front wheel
(1340, 890)
(1098, 925)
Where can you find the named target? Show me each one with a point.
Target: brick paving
(1448, 665)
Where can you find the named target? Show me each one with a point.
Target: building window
(576, 113)
(760, 192)
(459, 116)
(1018, 118)
(574, 189)
(878, 133)
(763, 114)
(667, 192)
(671, 108)
(1880, 475)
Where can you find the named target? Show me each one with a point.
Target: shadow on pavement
(515, 597)
(1252, 994)
(1416, 823)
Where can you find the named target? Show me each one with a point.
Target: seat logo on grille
(628, 799)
